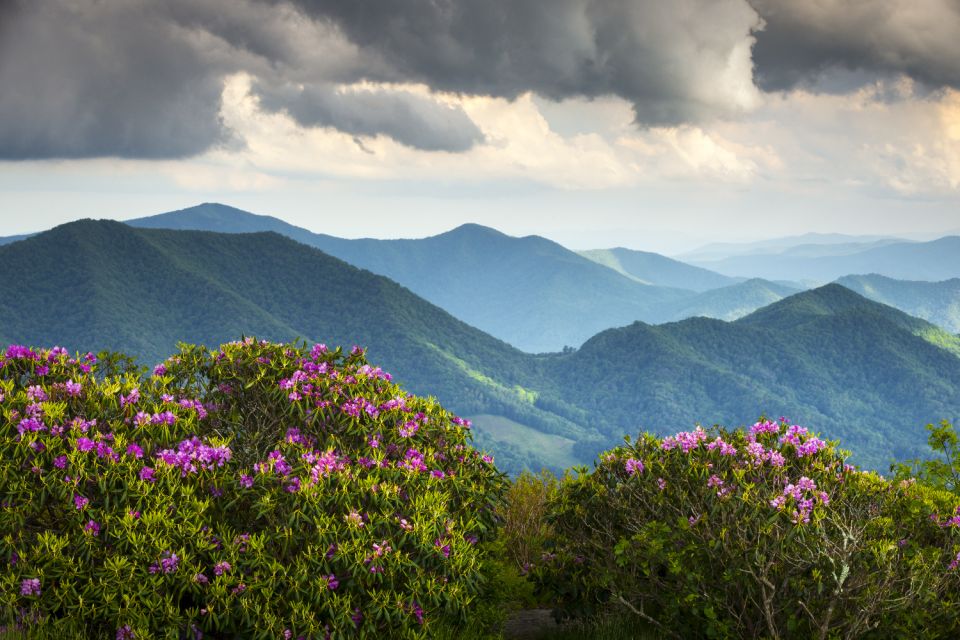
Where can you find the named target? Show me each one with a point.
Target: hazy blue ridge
(733, 301)
(656, 269)
(932, 261)
(937, 302)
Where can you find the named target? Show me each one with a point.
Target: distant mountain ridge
(496, 275)
(936, 302)
(733, 301)
(656, 269)
(932, 261)
(531, 292)
(773, 246)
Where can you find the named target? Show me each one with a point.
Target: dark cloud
(139, 78)
(143, 79)
(837, 45)
(84, 79)
(678, 61)
(406, 117)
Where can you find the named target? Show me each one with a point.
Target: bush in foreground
(259, 491)
(764, 533)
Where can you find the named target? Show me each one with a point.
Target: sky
(640, 123)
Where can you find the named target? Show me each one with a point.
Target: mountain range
(849, 367)
(530, 292)
(934, 260)
(827, 243)
(541, 297)
(937, 302)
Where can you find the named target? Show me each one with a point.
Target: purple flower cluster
(196, 405)
(36, 393)
(323, 464)
(764, 426)
(168, 563)
(29, 586)
(193, 455)
(294, 436)
(20, 352)
(276, 462)
(726, 449)
(143, 418)
(686, 440)
(442, 547)
(805, 497)
(132, 398)
(633, 466)
(412, 461)
(103, 450)
(953, 521)
(374, 373)
(758, 455)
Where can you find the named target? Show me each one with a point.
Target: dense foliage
(259, 490)
(763, 533)
(941, 471)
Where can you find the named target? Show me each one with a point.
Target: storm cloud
(86, 79)
(134, 78)
(144, 79)
(812, 44)
(406, 117)
(679, 61)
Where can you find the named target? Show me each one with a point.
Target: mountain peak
(828, 300)
(222, 218)
(473, 229)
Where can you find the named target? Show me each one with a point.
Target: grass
(553, 450)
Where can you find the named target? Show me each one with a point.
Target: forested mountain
(858, 370)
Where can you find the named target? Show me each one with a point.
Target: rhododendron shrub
(762, 532)
(260, 490)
